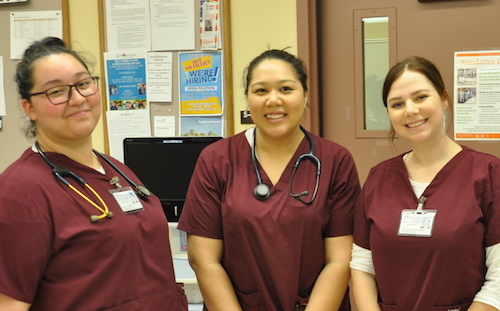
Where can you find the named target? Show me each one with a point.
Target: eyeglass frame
(71, 86)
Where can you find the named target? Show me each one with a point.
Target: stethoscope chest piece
(262, 192)
(142, 191)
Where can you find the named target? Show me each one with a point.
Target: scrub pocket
(250, 302)
(462, 307)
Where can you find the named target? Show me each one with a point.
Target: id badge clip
(417, 222)
(126, 198)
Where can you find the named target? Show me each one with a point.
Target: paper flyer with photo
(210, 25)
(126, 80)
(128, 109)
(477, 95)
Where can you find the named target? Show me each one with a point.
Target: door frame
(308, 32)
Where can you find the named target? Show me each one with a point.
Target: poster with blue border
(200, 83)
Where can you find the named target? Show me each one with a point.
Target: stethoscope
(62, 172)
(262, 191)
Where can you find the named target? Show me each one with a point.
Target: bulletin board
(12, 140)
(173, 108)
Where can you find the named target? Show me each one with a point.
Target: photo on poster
(202, 126)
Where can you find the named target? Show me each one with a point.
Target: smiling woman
(452, 189)
(416, 109)
(77, 205)
(71, 107)
(238, 237)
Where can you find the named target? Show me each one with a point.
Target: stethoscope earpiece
(262, 192)
(95, 218)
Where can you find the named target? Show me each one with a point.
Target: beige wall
(84, 34)
(256, 26)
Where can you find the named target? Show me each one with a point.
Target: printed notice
(159, 76)
(27, 27)
(477, 95)
(127, 25)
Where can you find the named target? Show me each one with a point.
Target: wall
(12, 139)
(432, 30)
(84, 34)
(256, 26)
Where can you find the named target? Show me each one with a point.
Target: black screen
(165, 165)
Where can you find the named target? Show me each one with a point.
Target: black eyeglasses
(62, 93)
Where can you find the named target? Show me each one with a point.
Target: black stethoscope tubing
(262, 191)
(61, 172)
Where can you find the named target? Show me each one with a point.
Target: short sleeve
(361, 224)
(201, 214)
(344, 191)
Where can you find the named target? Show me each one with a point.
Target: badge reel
(126, 197)
(417, 222)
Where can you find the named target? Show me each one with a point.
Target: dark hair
(282, 55)
(418, 64)
(24, 72)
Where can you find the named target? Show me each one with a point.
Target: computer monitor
(165, 165)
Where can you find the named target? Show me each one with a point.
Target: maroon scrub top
(53, 257)
(273, 249)
(445, 271)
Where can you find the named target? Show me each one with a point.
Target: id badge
(418, 223)
(127, 200)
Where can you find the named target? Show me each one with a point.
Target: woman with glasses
(269, 210)
(73, 233)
